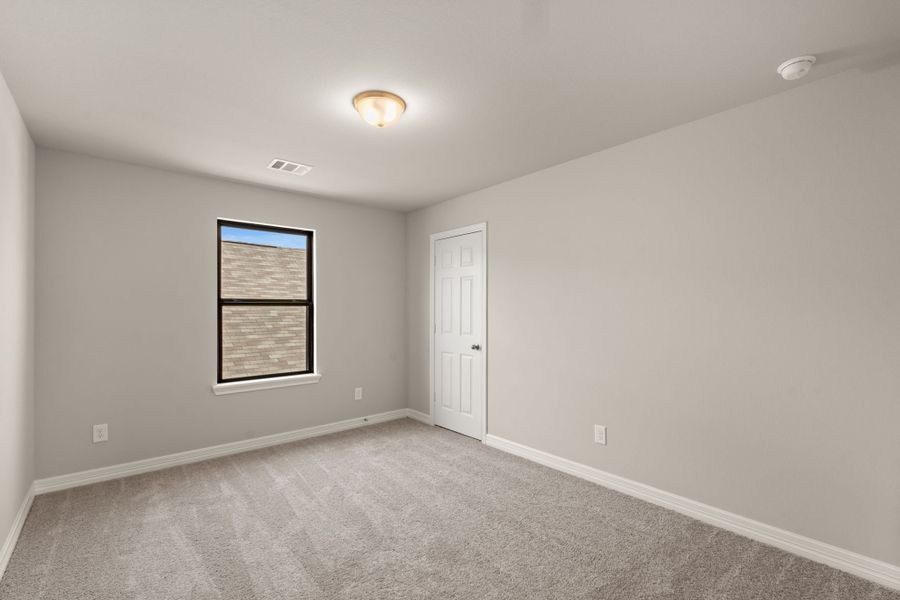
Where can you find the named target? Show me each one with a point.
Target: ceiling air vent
(279, 164)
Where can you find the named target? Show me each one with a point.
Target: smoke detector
(796, 67)
(279, 164)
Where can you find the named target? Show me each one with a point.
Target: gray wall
(16, 310)
(724, 296)
(126, 319)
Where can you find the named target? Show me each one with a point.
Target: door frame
(477, 227)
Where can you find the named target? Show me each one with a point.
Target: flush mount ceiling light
(379, 108)
(796, 67)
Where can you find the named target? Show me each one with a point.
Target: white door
(459, 326)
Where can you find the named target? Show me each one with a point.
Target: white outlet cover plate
(101, 433)
(600, 434)
(358, 394)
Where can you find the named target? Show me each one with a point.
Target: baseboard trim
(872, 569)
(9, 544)
(420, 416)
(63, 482)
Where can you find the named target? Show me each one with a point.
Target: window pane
(260, 264)
(263, 340)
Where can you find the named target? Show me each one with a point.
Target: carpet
(397, 510)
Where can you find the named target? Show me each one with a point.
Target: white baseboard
(420, 416)
(874, 570)
(62, 482)
(9, 544)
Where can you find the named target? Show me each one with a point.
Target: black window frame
(309, 302)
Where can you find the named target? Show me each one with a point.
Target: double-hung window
(265, 302)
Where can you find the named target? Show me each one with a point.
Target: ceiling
(495, 88)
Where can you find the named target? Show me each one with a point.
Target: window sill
(265, 384)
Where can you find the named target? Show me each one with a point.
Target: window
(265, 301)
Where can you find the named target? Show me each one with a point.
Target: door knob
(476, 346)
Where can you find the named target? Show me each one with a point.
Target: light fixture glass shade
(378, 108)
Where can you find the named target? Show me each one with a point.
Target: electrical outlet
(357, 394)
(101, 433)
(600, 434)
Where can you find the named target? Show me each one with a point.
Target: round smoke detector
(796, 67)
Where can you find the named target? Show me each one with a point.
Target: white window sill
(265, 384)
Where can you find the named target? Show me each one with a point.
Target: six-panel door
(458, 334)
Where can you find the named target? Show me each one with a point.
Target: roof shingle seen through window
(251, 271)
(263, 340)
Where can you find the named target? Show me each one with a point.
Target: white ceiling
(496, 88)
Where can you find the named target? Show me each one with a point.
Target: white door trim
(482, 227)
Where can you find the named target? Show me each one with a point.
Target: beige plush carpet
(397, 510)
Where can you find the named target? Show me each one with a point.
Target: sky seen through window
(264, 238)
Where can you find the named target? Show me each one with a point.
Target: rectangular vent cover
(279, 164)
